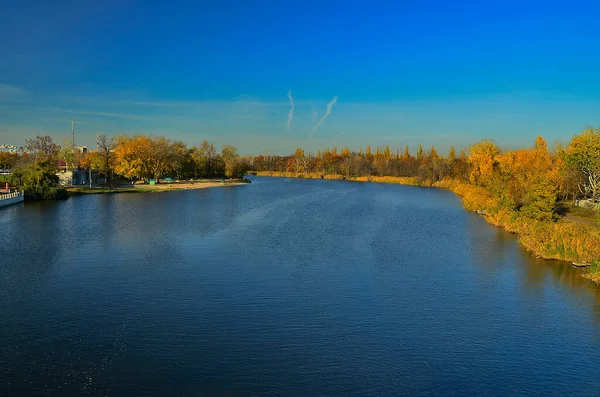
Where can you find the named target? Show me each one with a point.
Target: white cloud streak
(327, 113)
(291, 113)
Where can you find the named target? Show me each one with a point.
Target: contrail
(291, 113)
(327, 113)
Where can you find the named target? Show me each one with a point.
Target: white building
(77, 178)
(8, 149)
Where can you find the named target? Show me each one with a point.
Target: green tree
(39, 181)
(184, 163)
(583, 156)
(67, 154)
(8, 160)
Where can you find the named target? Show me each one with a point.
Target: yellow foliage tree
(528, 181)
(482, 159)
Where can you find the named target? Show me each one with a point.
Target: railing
(8, 196)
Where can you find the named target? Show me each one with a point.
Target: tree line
(531, 182)
(144, 157)
(137, 157)
(427, 165)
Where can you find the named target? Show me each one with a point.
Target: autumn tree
(528, 181)
(583, 157)
(91, 160)
(450, 161)
(248, 161)
(435, 165)
(482, 159)
(299, 160)
(381, 161)
(569, 178)
(452, 154)
(132, 157)
(8, 160)
(420, 153)
(162, 157)
(234, 166)
(460, 167)
(42, 148)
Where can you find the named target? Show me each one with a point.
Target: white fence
(8, 196)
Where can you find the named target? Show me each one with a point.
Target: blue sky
(403, 72)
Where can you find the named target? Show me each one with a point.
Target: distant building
(13, 149)
(77, 177)
(9, 149)
(81, 149)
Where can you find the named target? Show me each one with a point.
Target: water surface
(285, 287)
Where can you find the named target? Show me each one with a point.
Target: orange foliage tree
(528, 180)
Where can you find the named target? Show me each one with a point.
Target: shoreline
(562, 240)
(160, 188)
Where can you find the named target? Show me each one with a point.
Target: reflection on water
(285, 287)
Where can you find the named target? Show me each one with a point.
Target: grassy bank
(316, 175)
(300, 175)
(562, 240)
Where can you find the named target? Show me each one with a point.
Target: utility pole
(72, 148)
(97, 138)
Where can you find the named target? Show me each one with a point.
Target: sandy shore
(162, 187)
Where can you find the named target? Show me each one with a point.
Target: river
(285, 287)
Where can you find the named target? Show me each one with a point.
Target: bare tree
(42, 148)
(67, 153)
(106, 146)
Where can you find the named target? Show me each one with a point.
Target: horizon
(254, 76)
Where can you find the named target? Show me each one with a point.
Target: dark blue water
(285, 287)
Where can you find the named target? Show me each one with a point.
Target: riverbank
(561, 240)
(162, 187)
